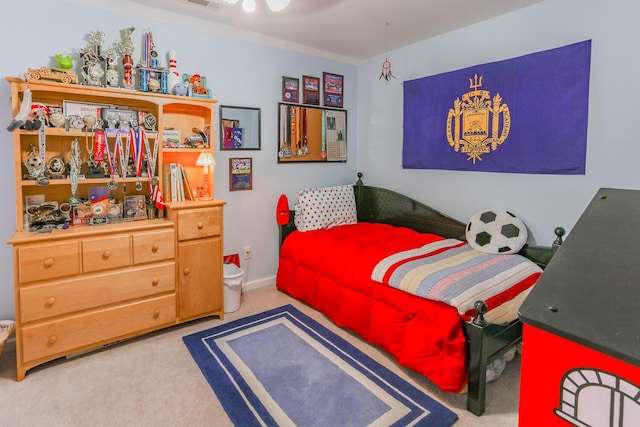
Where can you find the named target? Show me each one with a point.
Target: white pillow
(321, 208)
(496, 231)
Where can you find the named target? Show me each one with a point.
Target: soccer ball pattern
(496, 231)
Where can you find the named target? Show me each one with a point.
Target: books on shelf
(177, 186)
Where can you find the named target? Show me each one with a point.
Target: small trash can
(233, 278)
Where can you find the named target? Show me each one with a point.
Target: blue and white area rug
(282, 368)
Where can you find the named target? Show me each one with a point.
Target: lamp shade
(205, 159)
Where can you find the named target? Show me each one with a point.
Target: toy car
(49, 73)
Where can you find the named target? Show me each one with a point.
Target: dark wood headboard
(375, 204)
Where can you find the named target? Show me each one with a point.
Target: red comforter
(331, 271)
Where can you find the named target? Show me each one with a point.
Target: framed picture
(333, 86)
(290, 89)
(114, 118)
(82, 109)
(240, 174)
(240, 128)
(134, 208)
(311, 134)
(311, 90)
(196, 85)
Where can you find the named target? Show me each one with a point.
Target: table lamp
(206, 160)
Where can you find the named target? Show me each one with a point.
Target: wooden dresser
(81, 288)
(199, 252)
(86, 286)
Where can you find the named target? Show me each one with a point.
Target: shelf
(184, 114)
(82, 181)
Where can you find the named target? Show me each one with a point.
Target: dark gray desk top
(590, 291)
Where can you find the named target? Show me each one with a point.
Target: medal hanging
(111, 159)
(323, 153)
(137, 135)
(42, 148)
(74, 165)
(124, 158)
(305, 140)
(152, 157)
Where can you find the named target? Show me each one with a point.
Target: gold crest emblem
(473, 124)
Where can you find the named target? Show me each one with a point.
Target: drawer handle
(155, 281)
(52, 339)
(200, 225)
(51, 301)
(106, 255)
(186, 271)
(48, 262)
(156, 313)
(155, 248)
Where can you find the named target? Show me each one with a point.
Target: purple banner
(522, 115)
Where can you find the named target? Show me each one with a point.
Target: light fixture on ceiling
(250, 5)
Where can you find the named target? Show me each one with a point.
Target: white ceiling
(355, 29)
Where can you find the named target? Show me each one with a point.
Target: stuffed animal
(198, 86)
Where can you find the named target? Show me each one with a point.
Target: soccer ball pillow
(496, 231)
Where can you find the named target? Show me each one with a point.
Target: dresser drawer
(56, 298)
(105, 252)
(97, 327)
(48, 261)
(153, 246)
(197, 223)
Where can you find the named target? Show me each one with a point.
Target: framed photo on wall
(333, 86)
(311, 90)
(290, 89)
(239, 128)
(240, 174)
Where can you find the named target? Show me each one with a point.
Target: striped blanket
(452, 272)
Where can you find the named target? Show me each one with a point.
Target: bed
(339, 271)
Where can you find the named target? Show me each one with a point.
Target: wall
(239, 72)
(542, 201)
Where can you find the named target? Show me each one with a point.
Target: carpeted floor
(153, 381)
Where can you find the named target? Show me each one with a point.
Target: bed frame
(485, 342)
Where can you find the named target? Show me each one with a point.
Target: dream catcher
(386, 65)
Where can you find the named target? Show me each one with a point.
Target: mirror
(311, 134)
(239, 128)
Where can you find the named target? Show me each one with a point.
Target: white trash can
(233, 278)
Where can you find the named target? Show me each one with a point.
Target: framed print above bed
(333, 87)
(311, 134)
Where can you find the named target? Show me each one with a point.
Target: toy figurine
(64, 61)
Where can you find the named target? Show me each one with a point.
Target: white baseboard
(261, 283)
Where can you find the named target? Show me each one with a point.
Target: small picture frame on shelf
(240, 174)
(134, 208)
(333, 89)
(310, 90)
(197, 85)
(290, 89)
(115, 118)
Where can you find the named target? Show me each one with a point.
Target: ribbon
(99, 143)
(136, 136)
(112, 157)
